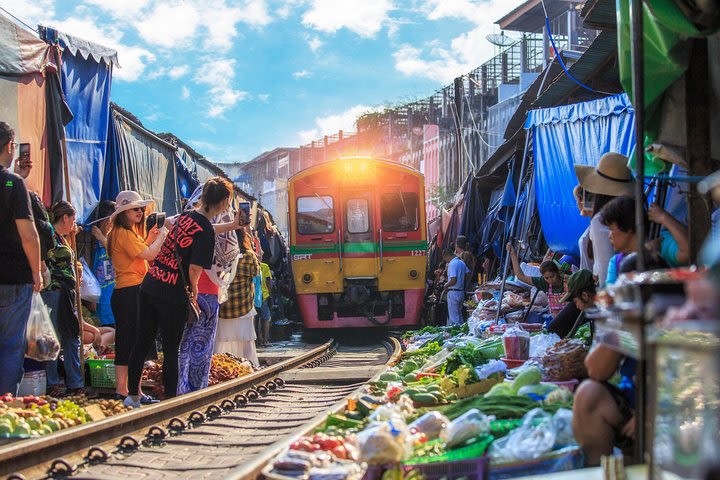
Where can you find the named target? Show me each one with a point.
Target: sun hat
(577, 283)
(611, 177)
(127, 200)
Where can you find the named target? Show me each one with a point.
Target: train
(358, 243)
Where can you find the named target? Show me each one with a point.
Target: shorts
(626, 412)
(264, 312)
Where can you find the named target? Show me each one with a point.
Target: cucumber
(426, 398)
(409, 378)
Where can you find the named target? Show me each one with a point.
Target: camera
(155, 219)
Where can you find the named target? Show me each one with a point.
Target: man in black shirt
(20, 261)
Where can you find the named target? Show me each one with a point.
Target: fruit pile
(334, 444)
(225, 367)
(108, 407)
(36, 416)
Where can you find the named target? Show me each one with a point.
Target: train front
(358, 243)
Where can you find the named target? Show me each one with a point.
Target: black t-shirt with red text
(194, 238)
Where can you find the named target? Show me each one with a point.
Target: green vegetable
(502, 406)
(409, 378)
(538, 389)
(427, 351)
(502, 388)
(559, 396)
(427, 398)
(529, 376)
(390, 377)
(341, 421)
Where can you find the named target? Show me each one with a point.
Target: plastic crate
(473, 468)
(102, 373)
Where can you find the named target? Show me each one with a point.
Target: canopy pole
(512, 224)
(73, 245)
(638, 86)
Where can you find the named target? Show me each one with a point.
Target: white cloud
(364, 17)
(219, 75)
(314, 43)
(332, 123)
(263, 97)
(301, 74)
(169, 25)
(132, 59)
(185, 93)
(32, 11)
(465, 52)
(125, 9)
(179, 71)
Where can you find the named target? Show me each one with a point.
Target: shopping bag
(90, 287)
(42, 341)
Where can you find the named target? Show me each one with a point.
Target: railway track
(213, 433)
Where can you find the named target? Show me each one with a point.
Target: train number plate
(302, 256)
(417, 253)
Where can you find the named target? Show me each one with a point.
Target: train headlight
(307, 278)
(413, 274)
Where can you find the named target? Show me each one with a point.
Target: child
(264, 312)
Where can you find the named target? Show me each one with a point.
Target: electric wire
(19, 21)
(477, 130)
(462, 137)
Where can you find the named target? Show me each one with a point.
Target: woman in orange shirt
(130, 251)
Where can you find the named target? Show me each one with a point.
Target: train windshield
(400, 212)
(315, 215)
(358, 215)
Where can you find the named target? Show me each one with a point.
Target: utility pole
(458, 87)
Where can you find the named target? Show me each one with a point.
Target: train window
(358, 213)
(315, 215)
(400, 212)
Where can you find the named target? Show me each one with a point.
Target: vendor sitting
(604, 412)
(552, 280)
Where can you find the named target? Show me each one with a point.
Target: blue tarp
(566, 135)
(86, 76)
(187, 182)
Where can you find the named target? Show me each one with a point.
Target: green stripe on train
(359, 247)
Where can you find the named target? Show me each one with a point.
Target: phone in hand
(24, 151)
(155, 219)
(245, 207)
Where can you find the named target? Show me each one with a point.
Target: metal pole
(638, 86)
(512, 224)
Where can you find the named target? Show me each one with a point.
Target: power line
(462, 137)
(472, 117)
(19, 21)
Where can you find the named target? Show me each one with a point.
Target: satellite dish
(501, 40)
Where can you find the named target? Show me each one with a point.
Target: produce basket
(471, 452)
(569, 458)
(102, 373)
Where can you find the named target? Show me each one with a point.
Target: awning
(502, 155)
(596, 68)
(22, 52)
(599, 14)
(87, 49)
(564, 136)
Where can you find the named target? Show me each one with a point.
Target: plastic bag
(432, 424)
(383, 443)
(89, 287)
(535, 437)
(539, 344)
(562, 421)
(490, 368)
(388, 412)
(565, 360)
(468, 425)
(517, 343)
(42, 341)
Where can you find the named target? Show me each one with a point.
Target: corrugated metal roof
(598, 65)
(599, 14)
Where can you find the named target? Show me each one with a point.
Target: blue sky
(237, 77)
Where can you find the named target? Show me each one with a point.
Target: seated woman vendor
(552, 280)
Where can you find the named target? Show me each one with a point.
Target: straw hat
(611, 176)
(127, 200)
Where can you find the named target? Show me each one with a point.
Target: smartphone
(245, 206)
(24, 151)
(588, 203)
(155, 219)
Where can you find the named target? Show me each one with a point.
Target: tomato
(340, 452)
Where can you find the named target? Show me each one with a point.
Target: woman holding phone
(130, 249)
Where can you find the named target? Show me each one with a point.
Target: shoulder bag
(193, 308)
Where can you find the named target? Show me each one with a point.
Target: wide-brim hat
(127, 200)
(611, 177)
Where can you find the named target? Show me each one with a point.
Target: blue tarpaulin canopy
(86, 76)
(574, 134)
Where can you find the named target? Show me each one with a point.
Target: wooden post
(697, 117)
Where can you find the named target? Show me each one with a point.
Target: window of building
(400, 212)
(315, 215)
(358, 215)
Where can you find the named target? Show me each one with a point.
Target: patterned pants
(196, 347)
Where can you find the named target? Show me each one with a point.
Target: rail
(30, 453)
(254, 469)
